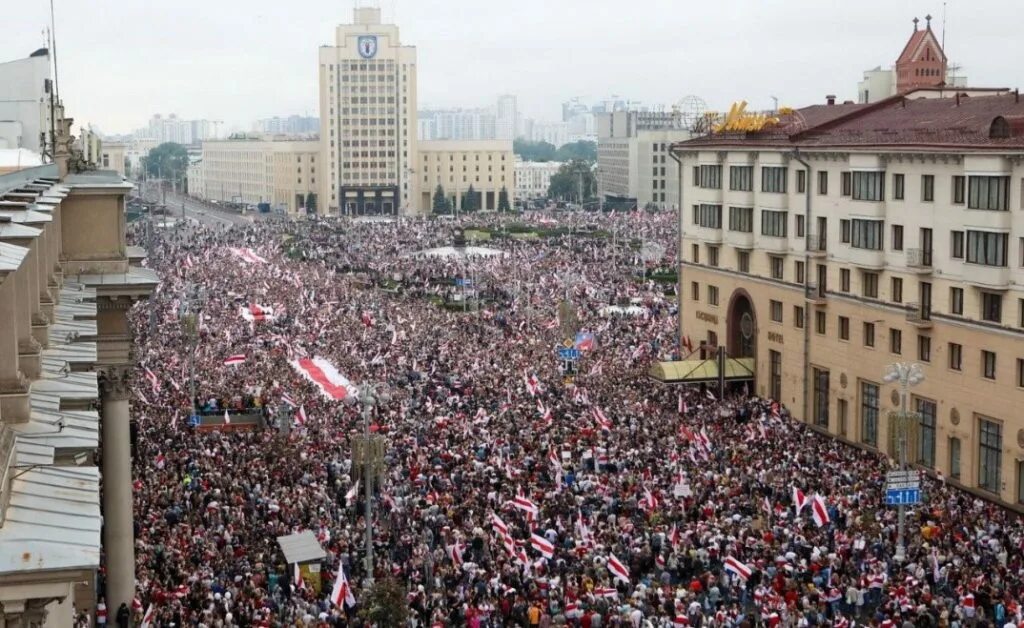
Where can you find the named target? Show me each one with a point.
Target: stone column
(118, 533)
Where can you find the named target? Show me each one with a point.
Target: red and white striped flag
(342, 592)
(738, 568)
(247, 255)
(799, 500)
(602, 420)
(680, 621)
(297, 578)
(285, 397)
(522, 502)
(236, 359)
(649, 501)
(542, 545)
(160, 460)
(617, 568)
(350, 496)
(227, 418)
(532, 384)
(819, 510)
(455, 553)
(498, 525)
(147, 619)
(300, 415)
(153, 380)
(605, 592)
(325, 376)
(673, 536)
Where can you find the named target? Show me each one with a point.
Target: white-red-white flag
(819, 510)
(602, 420)
(617, 568)
(147, 619)
(234, 360)
(498, 525)
(737, 567)
(153, 380)
(342, 592)
(542, 545)
(300, 415)
(297, 578)
(350, 496)
(455, 553)
(799, 500)
(673, 536)
(325, 376)
(532, 384)
(605, 592)
(247, 255)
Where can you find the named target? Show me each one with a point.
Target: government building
(837, 239)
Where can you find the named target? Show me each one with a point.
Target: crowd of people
(510, 496)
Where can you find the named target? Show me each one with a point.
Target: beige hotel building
(847, 237)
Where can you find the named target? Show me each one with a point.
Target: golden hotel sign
(707, 318)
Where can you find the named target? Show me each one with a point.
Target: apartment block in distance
(281, 172)
(845, 238)
(633, 164)
(368, 122)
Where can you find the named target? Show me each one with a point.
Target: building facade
(282, 172)
(25, 118)
(633, 163)
(368, 119)
(533, 178)
(113, 156)
(291, 125)
(488, 166)
(921, 64)
(849, 237)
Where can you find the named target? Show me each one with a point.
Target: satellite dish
(651, 251)
(692, 111)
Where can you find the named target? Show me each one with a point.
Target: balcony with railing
(919, 315)
(817, 244)
(816, 294)
(919, 261)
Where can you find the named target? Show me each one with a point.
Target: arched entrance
(741, 326)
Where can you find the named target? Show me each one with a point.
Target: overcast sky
(120, 61)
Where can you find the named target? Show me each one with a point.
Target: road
(201, 213)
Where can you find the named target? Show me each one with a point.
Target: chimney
(830, 99)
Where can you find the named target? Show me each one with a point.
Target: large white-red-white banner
(247, 255)
(256, 313)
(325, 376)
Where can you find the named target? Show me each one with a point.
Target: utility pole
(908, 375)
(368, 456)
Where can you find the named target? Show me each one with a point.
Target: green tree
(503, 204)
(582, 150)
(533, 151)
(167, 161)
(441, 202)
(384, 604)
(566, 182)
(469, 200)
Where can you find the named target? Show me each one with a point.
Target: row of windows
(982, 192)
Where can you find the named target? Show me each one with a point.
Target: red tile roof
(915, 42)
(932, 123)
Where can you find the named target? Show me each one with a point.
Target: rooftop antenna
(775, 99)
(53, 34)
(943, 27)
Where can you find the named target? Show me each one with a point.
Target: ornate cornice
(115, 382)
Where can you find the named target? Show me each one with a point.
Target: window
(773, 223)
(773, 179)
(988, 364)
(741, 219)
(1020, 482)
(866, 234)
(992, 307)
(956, 360)
(799, 225)
(924, 348)
(844, 279)
(897, 187)
(775, 374)
(777, 266)
(741, 178)
(798, 317)
(958, 189)
(956, 301)
(819, 322)
(743, 261)
(798, 271)
(870, 287)
(712, 295)
(927, 409)
(821, 398)
(956, 244)
(775, 308)
(869, 414)
(1020, 373)
(823, 182)
(842, 411)
(847, 184)
(1020, 310)
(844, 231)
(712, 256)
(695, 253)
(801, 181)
(990, 452)
(844, 328)
(696, 176)
(954, 458)
(895, 341)
(868, 186)
(695, 290)
(711, 177)
(987, 248)
(869, 334)
(897, 237)
(928, 187)
(896, 290)
(988, 193)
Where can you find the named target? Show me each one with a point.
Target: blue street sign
(463, 282)
(569, 354)
(902, 496)
(194, 420)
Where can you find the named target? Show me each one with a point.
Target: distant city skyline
(798, 51)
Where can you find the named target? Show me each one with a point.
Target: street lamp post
(191, 304)
(908, 374)
(371, 455)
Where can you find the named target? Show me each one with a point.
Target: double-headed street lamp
(368, 454)
(908, 374)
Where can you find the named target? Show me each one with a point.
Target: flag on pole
(738, 568)
(617, 569)
(325, 376)
(350, 496)
(605, 592)
(227, 418)
(819, 511)
(153, 381)
(297, 578)
(799, 500)
(235, 360)
(673, 536)
(498, 525)
(147, 619)
(285, 397)
(542, 545)
(532, 384)
(300, 415)
(602, 420)
(342, 592)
